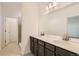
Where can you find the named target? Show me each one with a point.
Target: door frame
(5, 28)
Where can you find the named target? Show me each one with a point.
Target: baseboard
(24, 53)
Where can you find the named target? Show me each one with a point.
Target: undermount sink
(71, 40)
(66, 43)
(53, 37)
(76, 40)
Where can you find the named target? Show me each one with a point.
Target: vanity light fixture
(50, 7)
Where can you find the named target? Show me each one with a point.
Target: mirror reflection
(73, 27)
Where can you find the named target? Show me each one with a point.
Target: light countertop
(57, 40)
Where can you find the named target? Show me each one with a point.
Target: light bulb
(54, 4)
(50, 6)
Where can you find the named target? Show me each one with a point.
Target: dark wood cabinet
(49, 49)
(35, 40)
(48, 52)
(41, 48)
(63, 52)
(40, 42)
(35, 49)
(49, 46)
(32, 44)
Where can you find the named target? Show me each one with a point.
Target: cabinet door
(41, 42)
(32, 44)
(40, 50)
(35, 49)
(48, 52)
(35, 40)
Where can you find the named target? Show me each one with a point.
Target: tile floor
(12, 49)
(29, 54)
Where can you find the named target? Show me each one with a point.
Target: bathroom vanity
(52, 46)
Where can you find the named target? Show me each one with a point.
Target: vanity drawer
(40, 50)
(35, 49)
(49, 46)
(35, 40)
(48, 52)
(63, 52)
(41, 42)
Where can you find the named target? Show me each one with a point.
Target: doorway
(11, 30)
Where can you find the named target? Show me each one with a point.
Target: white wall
(0, 26)
(29, 24)
(56, 22)
(11, 9)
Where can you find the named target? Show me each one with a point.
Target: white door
(11, 30)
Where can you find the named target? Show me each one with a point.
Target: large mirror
(73, 27)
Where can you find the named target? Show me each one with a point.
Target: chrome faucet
(66, 38)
